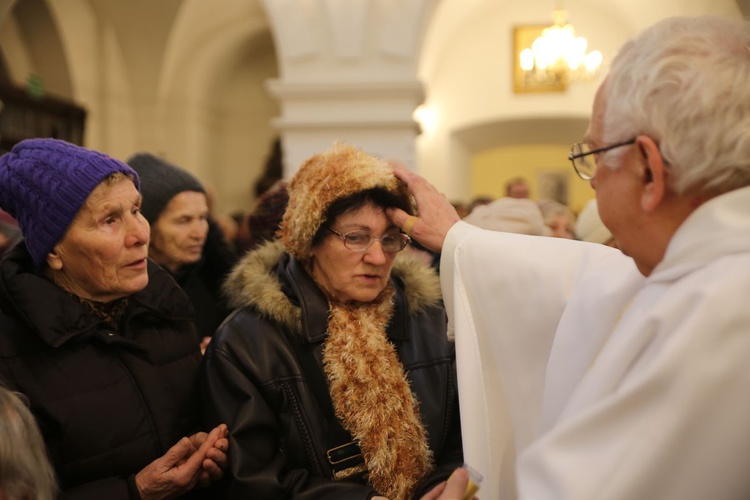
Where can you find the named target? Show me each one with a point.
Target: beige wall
(466, 66)
(491, 169)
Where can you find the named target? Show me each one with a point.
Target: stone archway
(32, 43)
(545, 132)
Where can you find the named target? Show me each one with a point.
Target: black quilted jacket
(108, 402)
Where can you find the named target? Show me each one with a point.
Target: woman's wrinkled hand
(198, 459)
(204, 344)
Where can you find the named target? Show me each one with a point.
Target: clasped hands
(196, 460)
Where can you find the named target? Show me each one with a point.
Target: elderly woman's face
(345, 274)
(179, 233)
(102, 256)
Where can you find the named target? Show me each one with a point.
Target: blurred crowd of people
(518, 213)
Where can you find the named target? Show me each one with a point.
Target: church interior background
(210, 85)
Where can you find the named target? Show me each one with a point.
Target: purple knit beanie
(43, 184)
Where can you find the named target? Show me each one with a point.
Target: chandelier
(558, 56)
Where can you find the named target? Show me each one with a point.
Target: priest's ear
(654, 175)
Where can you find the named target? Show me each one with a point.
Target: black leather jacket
(254, 381)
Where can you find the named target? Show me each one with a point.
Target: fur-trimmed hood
(254, 282)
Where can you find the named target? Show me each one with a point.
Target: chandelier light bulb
(593, 60)
(527, 59)
(559, 56)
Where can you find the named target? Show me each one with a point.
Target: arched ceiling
(42, 40)
(142, 28)
(200, 34)
(522, 131)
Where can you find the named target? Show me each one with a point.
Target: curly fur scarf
(372, 397)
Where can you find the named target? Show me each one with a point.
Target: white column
(347, 73)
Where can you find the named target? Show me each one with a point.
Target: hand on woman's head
(436, 214)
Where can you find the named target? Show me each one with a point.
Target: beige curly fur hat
(324, 178)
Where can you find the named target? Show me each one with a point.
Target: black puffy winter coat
(254, 380)
(108, 402)
(202, 281)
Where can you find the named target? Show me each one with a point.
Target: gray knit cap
(160, 182)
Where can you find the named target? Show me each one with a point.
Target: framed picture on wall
(553, 185)
(523, 37)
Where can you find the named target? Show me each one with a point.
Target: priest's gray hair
(684, 83)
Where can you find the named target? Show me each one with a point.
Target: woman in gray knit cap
(185, 240)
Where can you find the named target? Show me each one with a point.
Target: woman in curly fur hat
(334, 374)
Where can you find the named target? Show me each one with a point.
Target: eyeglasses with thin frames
(584, 166)
(360, 241)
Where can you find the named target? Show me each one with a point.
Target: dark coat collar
(27, 294)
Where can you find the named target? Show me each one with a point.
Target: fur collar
(254, 283)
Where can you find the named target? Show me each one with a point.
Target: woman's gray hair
(684, 83)
(25, 471)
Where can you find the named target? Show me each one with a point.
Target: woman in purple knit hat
(99, 339)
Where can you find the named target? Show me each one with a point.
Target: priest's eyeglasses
(583, 164)
(360, 241)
